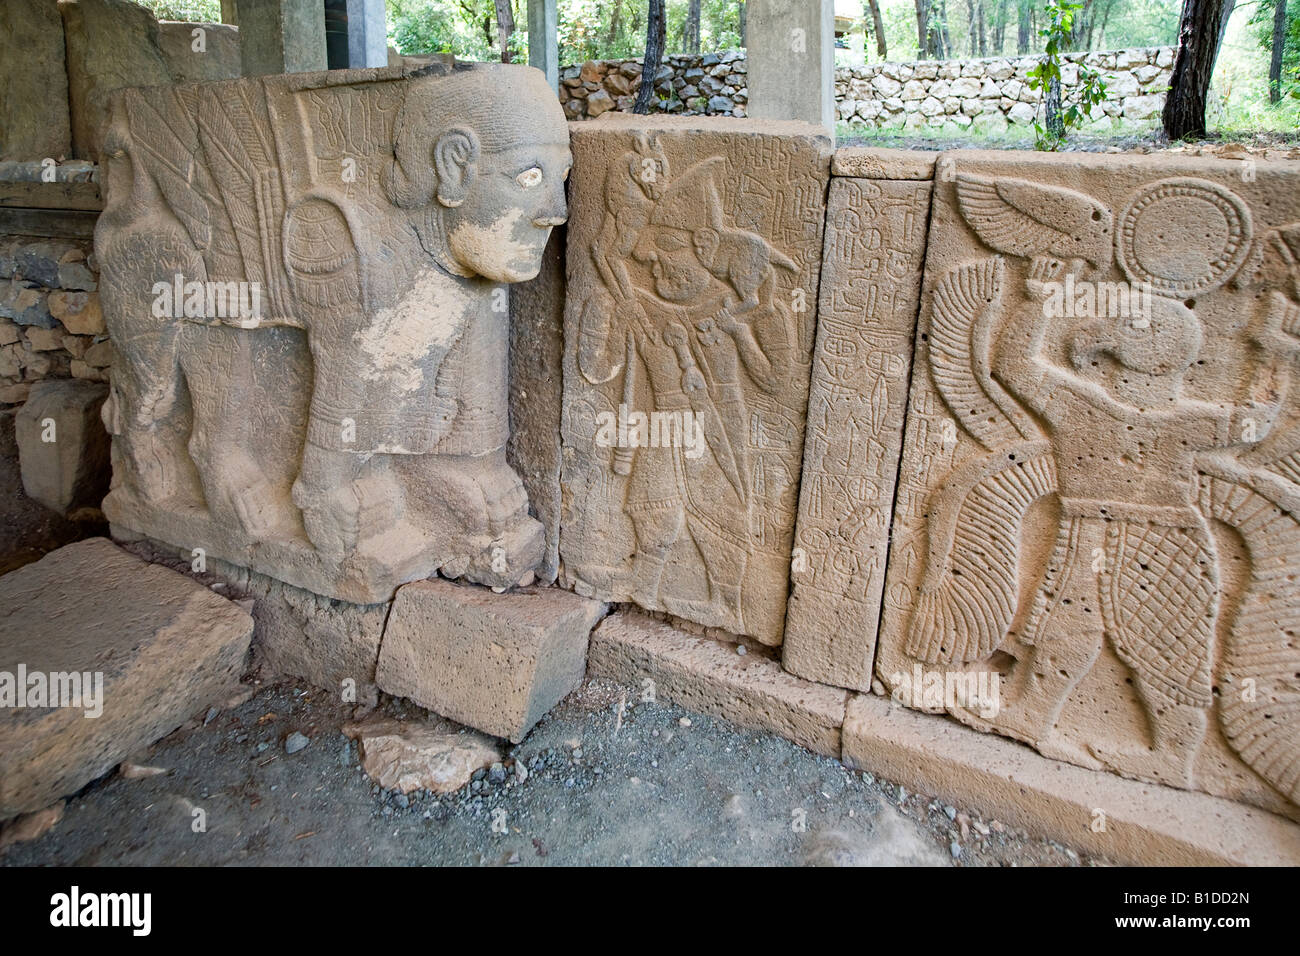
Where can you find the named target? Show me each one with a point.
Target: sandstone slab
(536, 394)
(1098, 507)
(34, 83)
(1122, 820)
(111, 44)
(63, 448)
(155, 646)
(323, 394)
(418, 755)
(861, 162)
(866, 320)
(694, 256)
(495, 662)
(710, 677)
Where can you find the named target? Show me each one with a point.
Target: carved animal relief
(306, 282)
(693, 263)
(1098, 519)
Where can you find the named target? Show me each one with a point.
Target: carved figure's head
(480, 156)
(1155, 348)
(684, 224)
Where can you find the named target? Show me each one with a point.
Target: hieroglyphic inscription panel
(866, 318)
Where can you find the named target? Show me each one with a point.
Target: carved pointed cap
(691, 200)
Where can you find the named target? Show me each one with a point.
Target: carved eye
(530, 177)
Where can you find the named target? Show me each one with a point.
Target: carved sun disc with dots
(1183, 236)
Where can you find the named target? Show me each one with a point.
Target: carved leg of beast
(218, 370)
(142, 412)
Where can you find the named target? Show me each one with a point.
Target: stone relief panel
(1097, 531)
(694, 255)
(306, 278)
(866, 320)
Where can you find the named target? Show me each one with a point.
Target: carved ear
(454, 155)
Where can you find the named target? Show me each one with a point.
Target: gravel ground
(609, 781)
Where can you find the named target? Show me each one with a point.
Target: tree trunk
(999, 39)
(615, 21)
(693, 27)
(1199, 31)
(744, 40)
(1024, 26)
(982, 14)
(924, 50)
(878, 24)
(505, 27)
(1279, 41)
(655, 29)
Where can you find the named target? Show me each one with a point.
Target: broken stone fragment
(419, 755)
(63, 448)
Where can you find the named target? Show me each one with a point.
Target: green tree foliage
(1261, 23)
(191, 11)
(1064, 109)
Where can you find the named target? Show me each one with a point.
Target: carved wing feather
(1261, 720)
(964, 304)
(970, 588)
(165, 135)
(1026, 219)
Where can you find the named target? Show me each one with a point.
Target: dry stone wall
(956, 94)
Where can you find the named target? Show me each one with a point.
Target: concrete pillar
(367, 34)
(281, 36)
(543, 46)
(791, 56)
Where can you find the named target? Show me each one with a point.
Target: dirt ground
(609, 781)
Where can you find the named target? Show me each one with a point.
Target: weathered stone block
(199, 51)
(537, 394)
(866, 322)
(62, 445)
(710, 677)
(33, 82)
(1119, 820)
(688, 337)
(154, 646)
(861, 162)
(1097, 528)
(345, 356)
(111, 44)
(495, 662)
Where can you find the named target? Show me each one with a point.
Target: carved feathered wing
(1261, 719)
(1026, 219)
(970, 589)
(965, 303)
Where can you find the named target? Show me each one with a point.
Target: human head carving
(486, 187)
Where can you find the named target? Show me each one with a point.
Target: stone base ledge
(1144, 823)
(711, 677)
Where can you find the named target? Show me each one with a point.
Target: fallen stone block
(101, 654)
(495, 662)
(63, 448)
(408, 756)
(1122, 820)
(711, 677)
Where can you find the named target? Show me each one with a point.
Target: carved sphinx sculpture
(1107, 480)
(306, 280)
